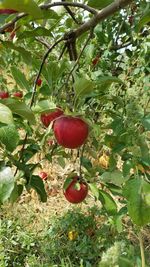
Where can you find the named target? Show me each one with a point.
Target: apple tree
(75, 80)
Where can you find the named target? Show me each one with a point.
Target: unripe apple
(74, 194)
(47, 118)
(43, 175)
(18, 94)
(70, 132)
(4, 94)
(39, 82)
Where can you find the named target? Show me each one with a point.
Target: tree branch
(18, 17)
(72, 15)
(83, 6)
(42, 42)
(100, 16)
(77, 60)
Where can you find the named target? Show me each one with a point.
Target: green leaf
(146, 122)
(37, 183)
(86, 163)
(68, 181)
(144, 20)
(21, 109)
(16, 192)
(50, 14)
(26, 55)
(99, 4)
(6, 183)
(108, 203)
(83, 88)
(39, 31)
(5, 114)
(127, 165)
(28, 6)
(115, 177)
(94, 190)
(104, 82)
(137, 193)
(44, 106)
(144, 150)
(9, 137)
(61, 162)
(20, 78)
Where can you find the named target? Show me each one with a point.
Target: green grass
(96, 243)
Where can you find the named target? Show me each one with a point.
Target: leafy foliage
(105, 81)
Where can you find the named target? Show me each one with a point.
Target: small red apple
(131, 20)
(18, 94)
(7, 11)
(47, 118)
(74, 194)
(4, 94)
(39, 82)
(43, 175)
(50, 142)
(70, 132)
(95, 61)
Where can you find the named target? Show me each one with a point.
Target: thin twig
(71, 14)
(120, 46)
(18, 17)
(41, 67)
(42, 42)
(34, 92)
(63, 51)
(83, 6)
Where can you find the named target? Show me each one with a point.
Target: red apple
(95, 61)
(70, 132)
(131, 20)
(43, 175)
(4, 94)
(74, 194)
(7, 11)
(47, 118)
(18, 94)
(39, 82)
(50, 142)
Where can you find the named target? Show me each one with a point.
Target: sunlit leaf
(9, 137)
(21, 109)
(5, 114)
